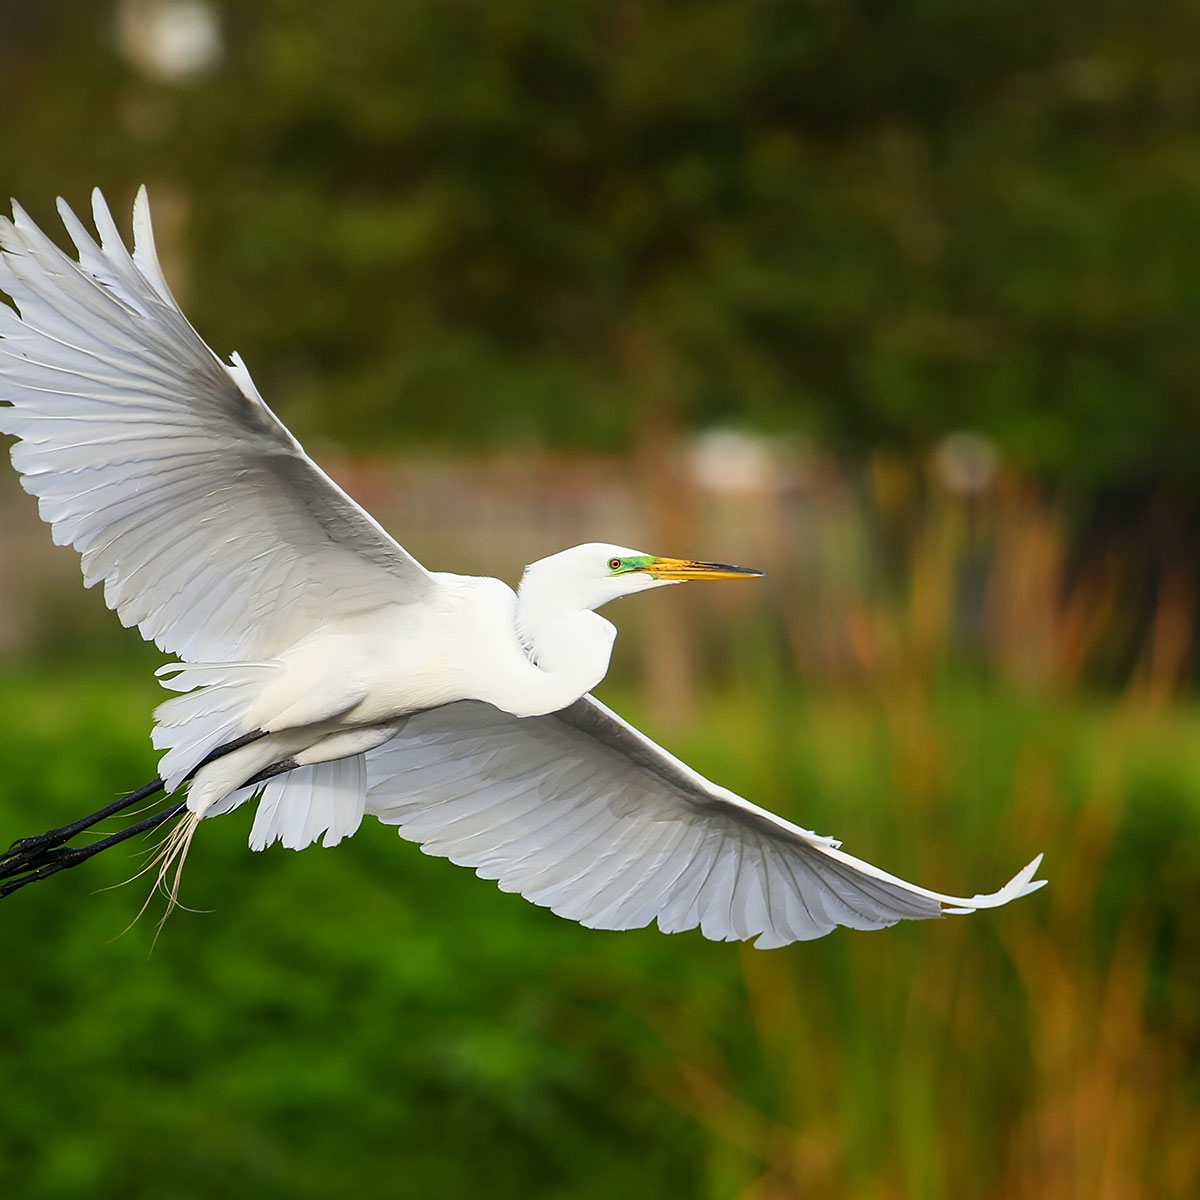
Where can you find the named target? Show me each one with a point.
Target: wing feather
(209, 527)
(580, 813)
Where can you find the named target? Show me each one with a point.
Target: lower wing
(582, 814)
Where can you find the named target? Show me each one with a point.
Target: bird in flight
(325, 673)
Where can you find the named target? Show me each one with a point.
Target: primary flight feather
(324, 671)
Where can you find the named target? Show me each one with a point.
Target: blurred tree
(487, 223)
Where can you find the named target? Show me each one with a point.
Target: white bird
(325, 671)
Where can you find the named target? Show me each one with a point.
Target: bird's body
(341, 690)
(326, 673)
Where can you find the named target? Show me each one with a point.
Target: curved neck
(569, 651)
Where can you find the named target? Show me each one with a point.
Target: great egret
(323, 669)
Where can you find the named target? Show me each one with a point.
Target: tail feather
(299, 807)
(323, 802)
(213, 708)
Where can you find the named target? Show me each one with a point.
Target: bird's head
(585, 577)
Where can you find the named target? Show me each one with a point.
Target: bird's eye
(614, 564)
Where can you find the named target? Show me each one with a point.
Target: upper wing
(213, 531)
(581, 813)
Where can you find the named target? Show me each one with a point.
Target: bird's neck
(570, 650)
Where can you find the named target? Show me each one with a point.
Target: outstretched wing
(214, 533)
(581, 813)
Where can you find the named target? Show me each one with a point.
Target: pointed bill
(679, 569)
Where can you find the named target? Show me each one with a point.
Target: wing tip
(99, 204)
(145, 252)
(141, 215)
(20, 218)
(1021, 884)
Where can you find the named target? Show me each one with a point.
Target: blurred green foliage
(483, 223)
(368, 1021)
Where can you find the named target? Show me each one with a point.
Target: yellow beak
(678, 569)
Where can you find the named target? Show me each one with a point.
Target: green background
(550, 235)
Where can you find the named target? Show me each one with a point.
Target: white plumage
(350, 679)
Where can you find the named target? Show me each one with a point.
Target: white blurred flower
(172, 41)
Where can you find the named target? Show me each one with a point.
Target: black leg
(43, 855)
(27, 847)
(60, 858)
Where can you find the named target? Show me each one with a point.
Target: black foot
(42, 863)
(19, 856)
(29, 859)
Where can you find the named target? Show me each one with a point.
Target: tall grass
(960, 708)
